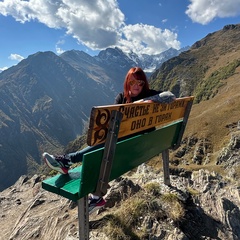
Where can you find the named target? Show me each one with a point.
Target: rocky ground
(211, 209)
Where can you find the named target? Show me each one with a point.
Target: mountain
(152, 63)
(210, 72)
(46, 101)
(204, 68)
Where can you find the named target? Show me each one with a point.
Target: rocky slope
(198, 205)
(204, 68)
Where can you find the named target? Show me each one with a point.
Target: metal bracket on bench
(108, 155)
(185, 119)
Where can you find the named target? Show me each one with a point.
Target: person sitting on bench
(136, 88)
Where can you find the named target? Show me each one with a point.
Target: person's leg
(61, 163)
(77, 156)
(95, 203)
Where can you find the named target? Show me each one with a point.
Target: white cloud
(147, 39)
(59, 50)
(205, 11)
(164, 20)
(97, 24)
(94, 23)
(16, 57)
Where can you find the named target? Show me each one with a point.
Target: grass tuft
(173, 206)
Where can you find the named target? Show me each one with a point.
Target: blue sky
(141, 26)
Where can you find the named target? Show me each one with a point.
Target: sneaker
(60, 163)
(95, 204)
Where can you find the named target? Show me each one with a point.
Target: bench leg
(83, 218)
(166, 174)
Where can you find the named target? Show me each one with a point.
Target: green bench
(107, 125)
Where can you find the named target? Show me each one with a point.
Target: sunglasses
(138, 82)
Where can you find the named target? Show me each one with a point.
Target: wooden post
(83, 218)
(166, 174)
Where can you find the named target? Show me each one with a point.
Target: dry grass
(175, 209)
(209, 119)
(214, 120)
(123, 223)
(152, 188)
(193, 191)
(114, 229)
(134, 216)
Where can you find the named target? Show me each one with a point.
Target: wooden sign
(136, 117)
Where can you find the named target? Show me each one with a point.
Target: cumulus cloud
(205, 11)
(59, 50)
(147, 39)
(93, 23)
(97, 24)
(16, 57)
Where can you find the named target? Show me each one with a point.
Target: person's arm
(163, 97)
(119, 99)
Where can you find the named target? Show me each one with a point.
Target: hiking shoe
(95, 204)
(60, 163)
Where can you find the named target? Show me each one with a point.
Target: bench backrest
(136, 117)
(129, 154)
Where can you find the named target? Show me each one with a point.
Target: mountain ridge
(191, 71)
